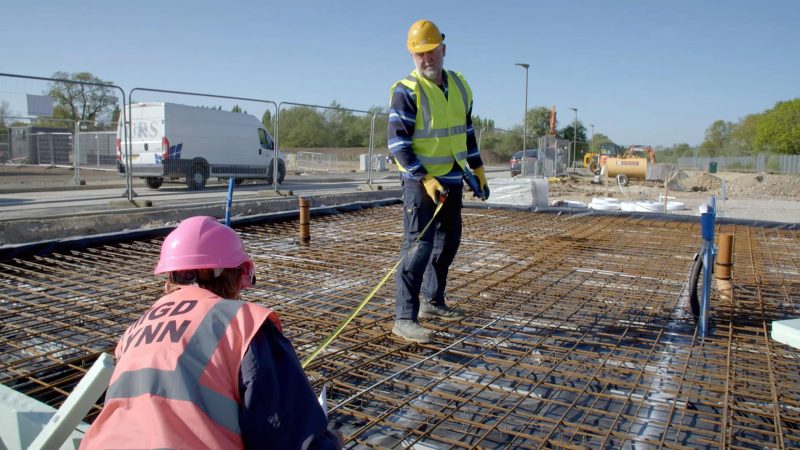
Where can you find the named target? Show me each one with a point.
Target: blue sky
(643, 72)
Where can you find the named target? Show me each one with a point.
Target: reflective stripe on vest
(183, 383)
(438, 148)
(425, 106)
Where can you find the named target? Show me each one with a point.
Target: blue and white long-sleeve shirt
(278, 407)
(402, 118)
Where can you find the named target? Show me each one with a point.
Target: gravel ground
(749, 196)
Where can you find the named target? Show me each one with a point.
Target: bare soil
(751, 196)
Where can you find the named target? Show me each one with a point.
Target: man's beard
(430, 73)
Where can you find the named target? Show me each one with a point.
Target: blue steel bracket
(708, 252)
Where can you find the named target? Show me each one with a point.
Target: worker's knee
(417, 257)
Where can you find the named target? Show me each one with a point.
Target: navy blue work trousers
(427, 261)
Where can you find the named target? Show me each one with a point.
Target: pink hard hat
(203, 243)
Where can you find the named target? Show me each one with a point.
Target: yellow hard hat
(423, 36)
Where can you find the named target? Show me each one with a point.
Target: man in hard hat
(432, 140)
(199, 370)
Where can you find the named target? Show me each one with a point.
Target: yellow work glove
(432, 185)
(481, 174)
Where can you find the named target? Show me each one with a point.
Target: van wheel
(196, 179)
(281, 172)
(154, 182)
(623, 179)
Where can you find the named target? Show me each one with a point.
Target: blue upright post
(707, 221)
(228, 202)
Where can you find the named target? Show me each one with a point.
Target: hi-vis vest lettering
(440, 131)
(180, 363)
(151, 328)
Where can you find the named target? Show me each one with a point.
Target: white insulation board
(518, 192)
(787, 332)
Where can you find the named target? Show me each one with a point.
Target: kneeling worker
(201, 370)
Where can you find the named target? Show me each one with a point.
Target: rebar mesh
(576, 332)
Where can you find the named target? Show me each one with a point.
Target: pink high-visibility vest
(176, 383)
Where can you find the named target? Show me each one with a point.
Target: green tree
(479, 123)
(115, 114)
(599, 139)
(381, 126)
(503, 142)
(4, 113)
(303, 127)
(344, 128)
(716, 138)
(236, 108)
(743, 136)
(538, 120)
(778, 129)
(510, 141)
(568, 133)
(81, 101)
(266, 120)
(671, 155)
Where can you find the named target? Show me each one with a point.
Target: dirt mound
(694, 182)
(756, 186)
(764, 186)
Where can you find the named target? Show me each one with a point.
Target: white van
(175, 141)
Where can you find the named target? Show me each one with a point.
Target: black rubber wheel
(197, 177)
(696, 286)
(281, 171)
(593, 167)
(623, 179)
(154, 182)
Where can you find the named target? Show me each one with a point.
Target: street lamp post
(591, 144)
(574, 137)
(524, 119)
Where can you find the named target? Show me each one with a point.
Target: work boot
(428, 310)
(411, 330)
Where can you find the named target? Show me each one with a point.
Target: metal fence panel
(52, 148)
(96, 148)
(348, 142)
(5, 145)
(312, 161)
(784, 164)
(553, 156)
(43, 152)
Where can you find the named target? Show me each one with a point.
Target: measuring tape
(371, 294)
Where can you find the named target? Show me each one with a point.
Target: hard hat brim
(423, 47)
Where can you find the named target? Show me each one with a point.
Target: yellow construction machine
(631, 164)
(591, 159)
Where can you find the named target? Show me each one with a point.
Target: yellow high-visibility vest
(440, 131)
